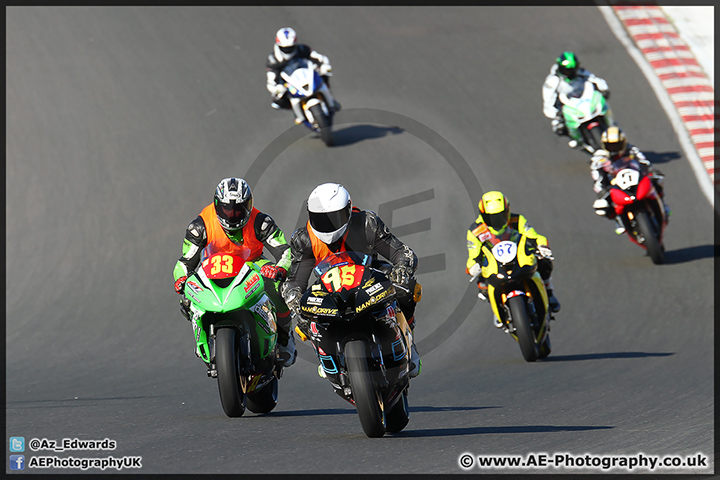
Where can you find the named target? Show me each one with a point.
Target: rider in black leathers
(357, 230)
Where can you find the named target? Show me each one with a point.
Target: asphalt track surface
(120, 123)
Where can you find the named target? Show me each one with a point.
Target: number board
(343, 277)
(505, 251)
(222, 265)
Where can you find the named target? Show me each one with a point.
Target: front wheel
(323, 124)
(363, 389)
(524, 333)
(650, 240)
(226, 357)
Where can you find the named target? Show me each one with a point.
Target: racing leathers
(601, 170)
(259, 233)
(480, 232)
(366, 233)
(555, 84)
(276, 85)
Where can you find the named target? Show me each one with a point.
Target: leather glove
(325, 69)
(279, 91)
(475, 270)
(180, 284)
(401, 274)
(545, 252)
(273, 272)
(292, 300)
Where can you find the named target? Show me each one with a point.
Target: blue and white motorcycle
(310, 97)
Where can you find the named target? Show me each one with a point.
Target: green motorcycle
(235, 327)
(587, 115)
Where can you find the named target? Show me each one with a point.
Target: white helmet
(285, 43)
(329, 208)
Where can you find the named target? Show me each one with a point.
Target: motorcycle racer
(494, 217)
(335, 225)
(566, 75)
(233, 222)
(616, 147)
(285, 49)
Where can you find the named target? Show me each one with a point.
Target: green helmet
(568, 65)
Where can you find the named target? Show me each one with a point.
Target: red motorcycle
(639, 206)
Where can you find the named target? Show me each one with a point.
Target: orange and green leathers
(479, 232)
(259, 233)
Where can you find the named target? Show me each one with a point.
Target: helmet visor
(287, 50)
(496, 220)
(568, 72)
(331, 221)
(234, 214)
(615, 147)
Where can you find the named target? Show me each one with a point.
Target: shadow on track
(599, 356)
(449, 432)
(689, 254)
(308, 413)
(358, 133)
(661, 157)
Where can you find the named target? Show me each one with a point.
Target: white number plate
(505, 251)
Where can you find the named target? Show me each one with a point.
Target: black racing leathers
(366, 233)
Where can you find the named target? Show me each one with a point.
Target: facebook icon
(17, 462)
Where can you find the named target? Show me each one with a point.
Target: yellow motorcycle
(516, 291)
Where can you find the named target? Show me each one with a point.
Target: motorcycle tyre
(363, 389)
(232, 397)
(265, 399)
(398, 416)
(323, 125)
(521, 322)
(651, 242)
(593, 137)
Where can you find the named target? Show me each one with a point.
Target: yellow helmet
(614, 141)
(495, 210)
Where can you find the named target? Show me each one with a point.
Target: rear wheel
(593, 136)
(398, 416)
(265, 399)
(524, 333)
(363, 389)
(323, 124)
(226, 359)
(650, 239)
(544, 349)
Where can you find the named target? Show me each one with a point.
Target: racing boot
(415, 361)
(299, 114)
(185, 308)
(287, 353)
(620, 228)
(552, 300)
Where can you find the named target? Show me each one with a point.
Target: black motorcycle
(361, 339)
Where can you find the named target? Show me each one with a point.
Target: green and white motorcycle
(235, 327)
(587, 115)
